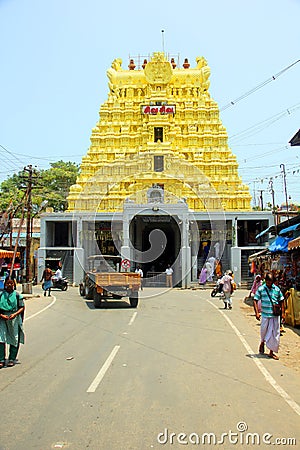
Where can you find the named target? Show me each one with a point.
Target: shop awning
(288, 229)
(270, 229)
(295, 243)
(280, 244)
(257, 254)
(8, 254)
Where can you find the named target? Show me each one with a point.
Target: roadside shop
(275, 259)
(6, 260)
(282, 258)
(293, 301)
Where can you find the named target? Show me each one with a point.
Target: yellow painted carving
(198, 164)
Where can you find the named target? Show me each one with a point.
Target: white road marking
(42, 310)
(132, 318)
(294, 405)
(93, 386)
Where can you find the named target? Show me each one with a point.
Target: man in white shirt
(139, 270)
(169, 275)
(58, 275)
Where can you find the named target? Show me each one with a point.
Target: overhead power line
(10, 153)
(259, 86)
(254, 129)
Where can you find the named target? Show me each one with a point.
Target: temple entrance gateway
(155, 235)
(160, 235)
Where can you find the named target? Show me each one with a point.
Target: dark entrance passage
(164, 232)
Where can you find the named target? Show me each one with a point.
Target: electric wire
(258, 127)
(259, 86)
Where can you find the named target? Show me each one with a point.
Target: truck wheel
(81, 290)
(97, 299)
(134, 299)
(89, 292)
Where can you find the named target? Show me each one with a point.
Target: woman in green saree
(11, 323)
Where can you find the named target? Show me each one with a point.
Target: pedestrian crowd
(268, 301)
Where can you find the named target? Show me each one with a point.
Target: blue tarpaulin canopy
(288, 229)
(280, 244)
(267, 230)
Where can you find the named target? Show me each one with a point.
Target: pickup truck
(104, 280)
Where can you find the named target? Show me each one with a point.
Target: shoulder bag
(275, 306)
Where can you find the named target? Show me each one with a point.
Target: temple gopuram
(159, 126)
(159, 184)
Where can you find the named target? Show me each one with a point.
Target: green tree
(56, 183)
(51, 184)
(11, 192)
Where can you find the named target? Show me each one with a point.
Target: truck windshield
(104, 264)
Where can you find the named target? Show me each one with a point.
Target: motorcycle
(61, 284)
(218, 289)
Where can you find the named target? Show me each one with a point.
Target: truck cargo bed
(117, 279)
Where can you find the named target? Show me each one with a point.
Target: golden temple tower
(159, 127)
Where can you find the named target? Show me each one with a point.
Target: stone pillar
(236, 264)
(41, 262)
(186, 254)
(125, 249)
(79, 242)
(235, 232)
(194, 253)
(78, 265)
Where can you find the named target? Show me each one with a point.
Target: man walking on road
(269, 294)
(47, 277)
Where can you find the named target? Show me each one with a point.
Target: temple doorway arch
(164, 231)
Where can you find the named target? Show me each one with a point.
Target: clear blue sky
(55, 54)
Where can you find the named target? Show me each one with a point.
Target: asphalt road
(163, 375)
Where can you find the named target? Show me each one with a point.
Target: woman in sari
(256, 284)
(203, 276)
(11, 323)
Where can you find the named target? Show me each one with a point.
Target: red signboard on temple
(163, 109)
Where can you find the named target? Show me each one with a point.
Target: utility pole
(273, 202)
(261, 200)
(17, 243)
(272, 194)
(254, 193)
(282, 167)
(28, 206)
(10, 230)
